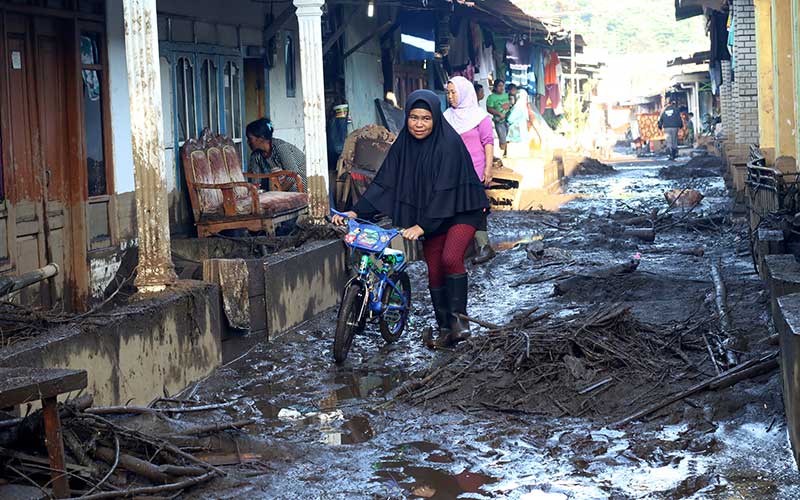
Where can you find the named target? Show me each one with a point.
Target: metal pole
(155, 269)
(309, 17)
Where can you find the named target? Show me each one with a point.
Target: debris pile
(590, 166)
(110, 455)
(600, 364)
(673, 172)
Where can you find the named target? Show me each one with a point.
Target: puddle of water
(427, 482)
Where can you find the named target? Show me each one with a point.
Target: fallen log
(637, 221)
(126, 410)
(750, 369)
(644, 234)
(205, 429)
(150, 490)
(564, 286)
(696, 252)
(721, 303)
(136, 465)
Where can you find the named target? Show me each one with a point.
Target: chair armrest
(228, 197)
(275, 178)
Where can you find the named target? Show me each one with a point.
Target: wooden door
(36, 72)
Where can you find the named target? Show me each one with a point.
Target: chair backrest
(212, 159)
(362, 157)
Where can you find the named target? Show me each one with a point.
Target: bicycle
(379, 292)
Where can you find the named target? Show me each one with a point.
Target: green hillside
(628, 26)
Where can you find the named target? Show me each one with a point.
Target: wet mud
(337, 432)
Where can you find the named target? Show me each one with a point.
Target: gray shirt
(285, 156)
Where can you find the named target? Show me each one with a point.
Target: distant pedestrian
(498, 105)
(690, 135)
(512, 90)
(270, 154)
(670, 122)
(475, 128)
(479, 93)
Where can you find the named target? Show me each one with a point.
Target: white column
(155, 269)
(309, 17)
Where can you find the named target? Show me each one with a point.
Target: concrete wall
(745, 86)
(362, 70)
(287, 112)
(162, 343)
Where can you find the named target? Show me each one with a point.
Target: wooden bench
(23, 385)
(222, 199)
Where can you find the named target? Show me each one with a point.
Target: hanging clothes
(715, 75)
(719, 37)
(459, 54)
(486, 65)
(553, 97)
(731, 39)
(551, 69)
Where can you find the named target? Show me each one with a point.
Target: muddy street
(356, 431)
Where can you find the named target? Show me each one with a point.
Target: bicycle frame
(372, 252)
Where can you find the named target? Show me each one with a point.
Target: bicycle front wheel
(348, 321)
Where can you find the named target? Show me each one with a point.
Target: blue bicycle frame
(372, 242)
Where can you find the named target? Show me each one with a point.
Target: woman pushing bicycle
(428, 185)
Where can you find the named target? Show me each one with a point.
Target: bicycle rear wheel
(392, 323)
(347, 323)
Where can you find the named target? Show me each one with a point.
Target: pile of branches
(109, 458)
(562, 368)
(18, 323)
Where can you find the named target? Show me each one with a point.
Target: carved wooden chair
(362, 157)
(222, 199)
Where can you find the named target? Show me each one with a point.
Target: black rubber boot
(441, 310)
(457, 295)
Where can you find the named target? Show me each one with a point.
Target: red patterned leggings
(444, 253)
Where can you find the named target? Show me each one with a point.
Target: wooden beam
(279, 22)
(369, 37)
(337, 35)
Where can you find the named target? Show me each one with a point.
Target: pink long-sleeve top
(476, 141)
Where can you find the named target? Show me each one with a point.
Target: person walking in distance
(670, 122)
(474, 126)
(498, 105)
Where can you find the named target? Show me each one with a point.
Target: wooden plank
(337, 34)
(385, 27)
(54, 442)
(279, 22)
(21, 385)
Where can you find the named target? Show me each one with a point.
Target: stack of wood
(107, 457)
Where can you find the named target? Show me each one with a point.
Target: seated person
(272, 154)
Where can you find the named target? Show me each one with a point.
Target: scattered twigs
(485, 324)
(123, 410)
(110, 471)
(213, 428)
(151, 490)
(721, 303)
(750, 369)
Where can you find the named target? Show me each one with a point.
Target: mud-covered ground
(330, 432)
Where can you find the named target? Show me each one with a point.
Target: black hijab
(428, 180)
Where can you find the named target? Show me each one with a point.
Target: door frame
(76, 274)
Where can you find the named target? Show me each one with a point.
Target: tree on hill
(627, 26)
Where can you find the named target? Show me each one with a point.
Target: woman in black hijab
(428, 185)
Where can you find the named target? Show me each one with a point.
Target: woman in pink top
(474, 125)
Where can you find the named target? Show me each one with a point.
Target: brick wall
(726, 104)
(745, 87)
